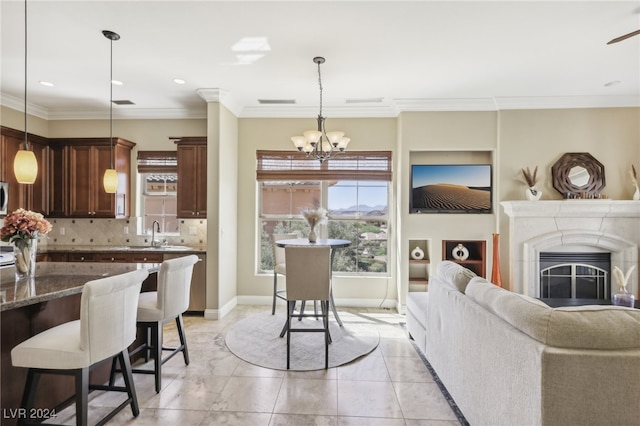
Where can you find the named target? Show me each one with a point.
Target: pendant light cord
(111, 104)
(26, 142)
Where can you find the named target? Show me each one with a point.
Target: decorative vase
(636, 194)
(417, 253)
(496, 278)
(533, 194)
(312, 235)
(623, 298)
(24, 251)
(460, 252)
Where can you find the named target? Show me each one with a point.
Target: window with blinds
(159, 177)
(353, 186)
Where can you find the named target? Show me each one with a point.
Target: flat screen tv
(451, 188)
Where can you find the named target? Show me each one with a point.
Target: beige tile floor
(390, 386)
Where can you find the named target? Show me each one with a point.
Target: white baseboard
(216, 314)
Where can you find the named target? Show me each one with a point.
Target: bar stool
(107, 326)
(155, 308)
(308, 278)
(279, 266)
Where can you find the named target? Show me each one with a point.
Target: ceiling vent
(364, 101)
(276, 101)
(123, 102)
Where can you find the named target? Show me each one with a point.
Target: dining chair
(279, 266)
(156, 308)
(107, 326)
(308, 278)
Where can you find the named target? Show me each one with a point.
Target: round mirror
(579, 176)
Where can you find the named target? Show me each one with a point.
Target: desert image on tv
(446, 196)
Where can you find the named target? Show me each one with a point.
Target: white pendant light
(110, 179)
(25, 165)
(319, 143)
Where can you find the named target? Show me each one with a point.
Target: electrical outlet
(62, 231)
(126, 230)
(193, 230)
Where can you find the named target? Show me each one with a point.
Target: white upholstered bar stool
(308, 278)
(107, 326)
(279, 266)
(168, 303)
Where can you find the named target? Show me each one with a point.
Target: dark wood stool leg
(29, 395)
(125, 364)
(156, 342)
(82, 396)
(183, 340)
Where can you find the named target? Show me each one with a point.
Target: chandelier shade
(319, 143)
(110, 178)
(25, 164)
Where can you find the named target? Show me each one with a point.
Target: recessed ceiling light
(116, 82)
(46, 83)
(252, 44)
(179, 81)
(612, 83)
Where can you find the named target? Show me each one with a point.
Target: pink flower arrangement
(24, 224)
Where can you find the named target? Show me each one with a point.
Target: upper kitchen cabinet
(192, 177)
(78, 165)
(32, 196)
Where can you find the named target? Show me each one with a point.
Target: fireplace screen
(575, 275)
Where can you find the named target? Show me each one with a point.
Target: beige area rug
(257, 340)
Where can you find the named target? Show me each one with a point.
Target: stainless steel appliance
(4, 198)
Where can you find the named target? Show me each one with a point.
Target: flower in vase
(22, 228)
(23, 225)
(314, 216)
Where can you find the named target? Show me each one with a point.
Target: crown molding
(18, 104)
(388, 109)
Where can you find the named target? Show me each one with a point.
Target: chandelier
(319, 143)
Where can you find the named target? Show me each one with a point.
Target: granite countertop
(97, 248)
(54, 280)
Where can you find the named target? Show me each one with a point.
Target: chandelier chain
(320, 85)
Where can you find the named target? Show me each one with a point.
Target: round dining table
(331, 242)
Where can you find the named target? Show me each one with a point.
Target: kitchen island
(29, 307)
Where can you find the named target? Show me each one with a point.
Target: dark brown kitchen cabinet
(77, 189)
(31, 196)
(192, 177)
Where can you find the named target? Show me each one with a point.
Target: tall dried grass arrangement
(529, 177)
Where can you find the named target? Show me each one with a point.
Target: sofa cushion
(587, 327)
(454, 274)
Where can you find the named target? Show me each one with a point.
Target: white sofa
(508, 359)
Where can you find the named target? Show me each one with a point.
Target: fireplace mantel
(570, 225)
(572, 208)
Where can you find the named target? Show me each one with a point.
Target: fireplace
(575, 275)
(604, 226)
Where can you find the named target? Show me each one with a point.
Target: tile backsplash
(120, 232)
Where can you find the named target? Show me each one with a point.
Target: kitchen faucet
(155, 227)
